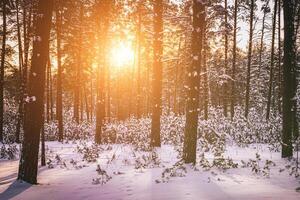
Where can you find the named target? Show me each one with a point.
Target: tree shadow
(16, 188)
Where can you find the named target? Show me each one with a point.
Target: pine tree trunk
(205, 75)
(21, 95)
(225, 92)
(103, 33)
(249, 59)
(175, 103)
(35, 107)
(78, 70)
(288, 80)
(139, 38)
(87, 110)
(232, 104)
(3, 52)
(48, 91)
(108, 90)
(192, 107)
(279, 60)
(59, 104)
(261, 48)
(272, 62)
(157, 73)
(43, 151)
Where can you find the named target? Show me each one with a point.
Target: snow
(72, 177)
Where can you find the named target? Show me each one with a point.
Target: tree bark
(272, 62)
(3, 52)
(21, 95)
(249, 59)
(103, 27)
(288, 79)
(59, 104)
(35, 104)
(266, 6)
(192, 106)
(139, 38)
(225, 92)
(157, 73)
(232, 104)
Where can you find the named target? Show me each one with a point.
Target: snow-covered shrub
(177, 170)
(242, 131)
(131, 131)
(147, 160)
(72, 130)
(9, 151)
(10, 119)
(102, 178)
(258, 167)
(56, 161)
(89, 153)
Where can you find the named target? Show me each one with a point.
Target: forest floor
(75, 171)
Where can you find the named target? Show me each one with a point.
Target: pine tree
(289, 66)
(157, 73)
(35, 106)
(59, 104)
(232, 105)
(249, 62)
(192, 107)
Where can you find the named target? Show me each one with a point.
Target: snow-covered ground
(125, 173)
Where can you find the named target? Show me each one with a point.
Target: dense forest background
(184, 72)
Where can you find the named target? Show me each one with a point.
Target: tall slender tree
(104, 8)
(3, 53)
(77, 89)
(157, 73)
(139, 43)
(252, 4)
(21, 96)
(265, 8)
(234, 59)
(226, 33)
(35, 105)
(289, 66)
(59, 104)
(272, 61)
(192, 106)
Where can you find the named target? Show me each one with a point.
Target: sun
(121, 55)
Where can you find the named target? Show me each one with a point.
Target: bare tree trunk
(108, 94)
(288, 79)
(279, 60)
(157, 73)
(261, 48)
(92, 100)
(234, 60)
(59, 104)
(139, 38)
(35, 107)
(3, 52)
(175, 107)
(225, 92)
(205, 74)
(249, 59)
(86, 104)
(272, 61)
(104, 9)
(48, 90)
(192, 107)
(21, 95)
(78, 70)
(43, 152)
